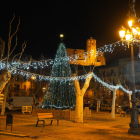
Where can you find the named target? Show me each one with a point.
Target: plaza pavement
(99, 127)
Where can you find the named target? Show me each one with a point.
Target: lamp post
(44, 89)
(32, 78)
(131, 35)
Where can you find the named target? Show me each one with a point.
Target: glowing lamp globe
(122, 33)
(43, 89)
(128, 36)
(134, 31)
(61, 35)
(130, 23)
(32, 77)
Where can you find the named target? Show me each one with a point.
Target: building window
(24, 87)
(103, 74)
(112, 72)
(113, 83)
(137, 80)
(24, 78)
(125, 71)
(17, 78)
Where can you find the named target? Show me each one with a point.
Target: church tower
(91, 49)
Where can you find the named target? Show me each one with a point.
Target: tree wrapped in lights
(60, 93)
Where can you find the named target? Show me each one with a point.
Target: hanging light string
(72, 58)
(34, 64)
(62, 79)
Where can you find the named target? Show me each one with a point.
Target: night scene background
(42, 22)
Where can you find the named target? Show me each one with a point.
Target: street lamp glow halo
(130, 23)
(33, 77)
(61, 35)
(122, 33)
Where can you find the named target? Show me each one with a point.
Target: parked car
(124, 108)
(105, 107)
(86, 105)
(93, 106)
(16, 102)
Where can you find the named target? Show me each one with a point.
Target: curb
(13, 134)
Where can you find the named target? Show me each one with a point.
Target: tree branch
(11, 51)
(23, 47)
(86, 85)
(10, 38)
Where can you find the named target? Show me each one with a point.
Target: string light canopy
(49, 62)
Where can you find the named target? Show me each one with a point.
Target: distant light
(32, 77)
(61, 35)
(130, 23)
(128, 36)
(122, 32)
(43, 89)
(134, 31)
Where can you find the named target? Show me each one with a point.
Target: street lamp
(43, 89)
(61, 36)
(32, 78)
(132, 35)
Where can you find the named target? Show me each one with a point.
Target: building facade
(117, 73)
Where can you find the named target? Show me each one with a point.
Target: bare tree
(122, 80)
(6, 76)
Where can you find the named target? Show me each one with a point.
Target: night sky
(78, 20)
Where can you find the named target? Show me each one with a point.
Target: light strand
(72, 58)
(73, 78)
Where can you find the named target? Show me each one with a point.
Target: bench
(122, 113)
(43, 116)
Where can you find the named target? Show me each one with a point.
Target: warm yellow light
(122, 33)
(134, 31)
(128, 36)
(138, 32)
(44, 89)
(130, 23)
(61, 35)
(32, 77)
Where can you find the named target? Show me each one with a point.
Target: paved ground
(100, 127)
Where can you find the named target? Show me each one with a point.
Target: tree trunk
(99, 102)
(79, 108)
(5, 96)
(79, 98)
(130, 100)
(98, 105)
(113, 104)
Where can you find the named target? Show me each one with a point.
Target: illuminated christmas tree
(60, 93)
